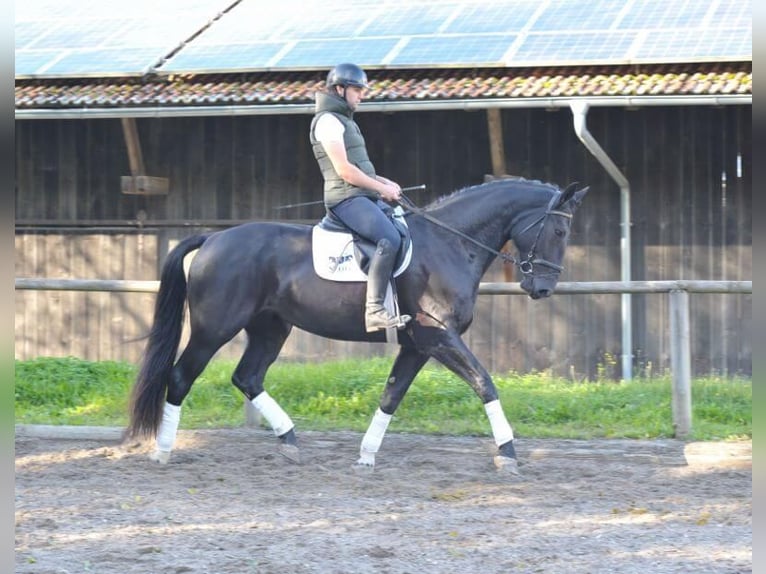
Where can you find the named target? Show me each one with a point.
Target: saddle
(340, 255)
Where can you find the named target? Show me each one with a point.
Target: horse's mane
(491, 185)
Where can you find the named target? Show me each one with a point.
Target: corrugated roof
(269, 88)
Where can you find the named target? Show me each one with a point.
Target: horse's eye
(560, 232)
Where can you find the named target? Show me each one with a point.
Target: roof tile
(389, 85)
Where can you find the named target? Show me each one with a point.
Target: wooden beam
(135, 157)
(497, 154)
(496, 144)
(144, 185)
(138, 183)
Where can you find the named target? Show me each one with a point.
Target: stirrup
(380, 319)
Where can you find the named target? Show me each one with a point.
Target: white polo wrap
(501, 430)
(375, 432)
(278, 419)
(166, 436)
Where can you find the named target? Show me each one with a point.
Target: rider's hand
(392, 191)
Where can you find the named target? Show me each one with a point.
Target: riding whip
(291, 205)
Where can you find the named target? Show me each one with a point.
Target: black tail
(148, 395)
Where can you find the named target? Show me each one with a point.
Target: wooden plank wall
(686, 223)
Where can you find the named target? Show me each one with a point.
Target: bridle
(527, 265)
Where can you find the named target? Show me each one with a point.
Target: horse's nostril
(542, 293)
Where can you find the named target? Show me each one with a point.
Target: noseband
(527, 266)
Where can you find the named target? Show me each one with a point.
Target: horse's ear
(567, 194)
(577, 197)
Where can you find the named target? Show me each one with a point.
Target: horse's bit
(527, 265)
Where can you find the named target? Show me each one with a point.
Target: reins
(411, 207)
(527, 266)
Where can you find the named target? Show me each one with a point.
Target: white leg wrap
(501, 430)
(374, 435)
(166, 436)
(278, 419)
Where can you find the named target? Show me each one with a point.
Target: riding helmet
(347, 75)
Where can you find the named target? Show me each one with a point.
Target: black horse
(260, 277)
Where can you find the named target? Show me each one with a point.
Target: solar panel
(29, 62)
(160, 33)
(327, 21)
(461, 50)
(327, 53)
(586, 15)
(409, 20)
(103, 37)
(108, 62)
(87, 34)
(241, 29)
(491, 17)
(663, 15)
(691, 45)
(734, 13)
(571, 48)
(27, 32)
(203, 58)
(46, 10)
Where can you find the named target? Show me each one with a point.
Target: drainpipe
(579, 113)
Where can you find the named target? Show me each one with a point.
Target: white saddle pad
(333, 254)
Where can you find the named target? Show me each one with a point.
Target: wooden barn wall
(688, 223)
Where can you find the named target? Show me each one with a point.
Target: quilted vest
(336, 189)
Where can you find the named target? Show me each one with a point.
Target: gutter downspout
(579, 113)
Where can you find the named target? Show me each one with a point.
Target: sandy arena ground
(227, 503)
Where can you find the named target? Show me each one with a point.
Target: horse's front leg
(406, 366)
(450, 350)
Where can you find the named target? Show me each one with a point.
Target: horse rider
(352, 190)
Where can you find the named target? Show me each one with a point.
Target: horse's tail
(148, 395)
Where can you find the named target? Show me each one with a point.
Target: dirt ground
(228, 503)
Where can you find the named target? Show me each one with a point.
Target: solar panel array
(103, 37)
(109, 37)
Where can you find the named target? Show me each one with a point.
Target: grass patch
(343, 395)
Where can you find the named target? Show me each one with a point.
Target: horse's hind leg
(266, 334)
(192, 362)
(406, 366)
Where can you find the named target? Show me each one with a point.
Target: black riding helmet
(347, 75)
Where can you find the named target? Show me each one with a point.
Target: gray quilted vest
(335, 188)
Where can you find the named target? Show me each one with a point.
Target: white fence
(678, 291)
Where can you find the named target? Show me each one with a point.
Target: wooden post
(138, 183)
(497, 154)
(680, 356)
(496, 145)
(135, 157)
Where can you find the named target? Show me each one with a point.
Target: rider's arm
(336, 151)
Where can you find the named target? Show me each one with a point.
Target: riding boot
(378, 276)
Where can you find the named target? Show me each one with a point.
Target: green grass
(343, 395)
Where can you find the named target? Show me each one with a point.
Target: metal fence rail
(678, 291)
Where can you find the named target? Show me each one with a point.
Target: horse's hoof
(161, 456)
(507, 464)
(290, 452)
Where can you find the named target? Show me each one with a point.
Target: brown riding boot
(378, 275)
